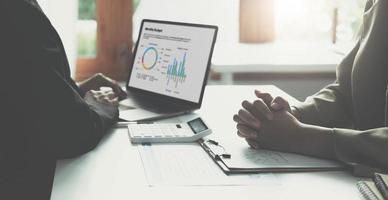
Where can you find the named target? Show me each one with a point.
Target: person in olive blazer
(44, 114)
(346, 120)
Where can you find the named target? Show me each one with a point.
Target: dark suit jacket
(43, 116)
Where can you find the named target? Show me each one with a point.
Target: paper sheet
(189, 165)
(245, 157)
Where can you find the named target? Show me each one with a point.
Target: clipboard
(246, 160)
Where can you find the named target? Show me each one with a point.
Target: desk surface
(114, 169)
(275, 57)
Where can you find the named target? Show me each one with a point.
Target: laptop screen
(172, 59)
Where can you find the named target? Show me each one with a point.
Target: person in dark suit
(44, 114)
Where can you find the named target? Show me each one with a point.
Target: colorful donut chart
(149, 58)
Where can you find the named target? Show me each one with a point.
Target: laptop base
(132, 111)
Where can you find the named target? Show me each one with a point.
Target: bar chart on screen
(176, 71)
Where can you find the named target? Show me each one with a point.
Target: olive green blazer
(355, 105)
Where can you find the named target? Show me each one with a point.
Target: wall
(63, 15)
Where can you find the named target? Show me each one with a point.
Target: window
(105, 27)
(313, 20)
(294, 19)
(86, 28)
(104, 38)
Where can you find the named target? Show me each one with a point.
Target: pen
(381, 186)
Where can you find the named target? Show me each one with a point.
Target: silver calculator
(190, 131)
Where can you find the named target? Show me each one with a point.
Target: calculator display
(197, 125)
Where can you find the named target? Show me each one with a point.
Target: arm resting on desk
(330, 106)
(365, 151)
(368, 148)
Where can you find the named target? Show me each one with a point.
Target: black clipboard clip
(216, 150)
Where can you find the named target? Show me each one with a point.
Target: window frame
(113, 42)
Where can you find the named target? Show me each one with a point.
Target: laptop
(169, 70)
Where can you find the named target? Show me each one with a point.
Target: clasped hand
(268, 123)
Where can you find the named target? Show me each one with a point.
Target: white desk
(232, 58)
(114, 169)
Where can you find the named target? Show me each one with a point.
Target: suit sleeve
(362, 149)
(42, 111)
(365, 150)
(64, 123)
(330, 107)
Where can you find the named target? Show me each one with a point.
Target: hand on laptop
(103, 101)
(99, 80)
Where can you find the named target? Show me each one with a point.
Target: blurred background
(294, 45)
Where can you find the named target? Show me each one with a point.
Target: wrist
(89, 83)
(82, 87)
(295, 112)
(317, 140)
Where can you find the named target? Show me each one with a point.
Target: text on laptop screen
(172, 60)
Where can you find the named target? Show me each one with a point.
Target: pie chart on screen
(149, 58)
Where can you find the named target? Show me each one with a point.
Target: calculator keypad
(157, 131)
